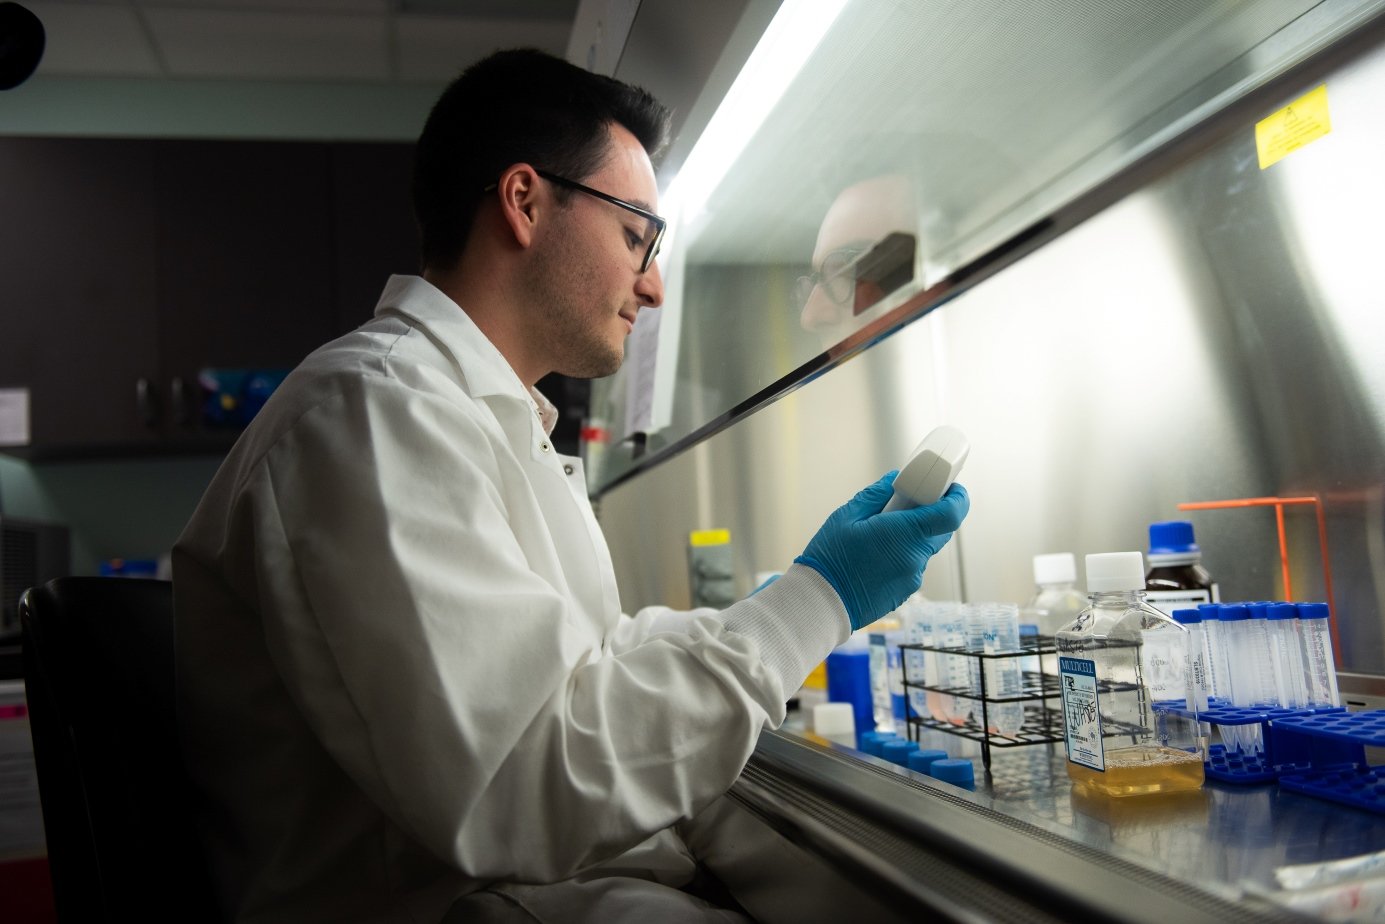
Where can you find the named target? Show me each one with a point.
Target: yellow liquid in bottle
(1141, 770)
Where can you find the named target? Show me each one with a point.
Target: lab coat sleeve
(651, 620)
(454, 685)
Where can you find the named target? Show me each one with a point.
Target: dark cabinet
(79, 287)
(129, 265)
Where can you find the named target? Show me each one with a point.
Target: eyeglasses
(653, 236)
(836, 277)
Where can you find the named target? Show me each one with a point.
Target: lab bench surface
(1026, 831)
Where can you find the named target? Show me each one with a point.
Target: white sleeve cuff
(796, 621)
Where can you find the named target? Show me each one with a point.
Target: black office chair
(98, 674)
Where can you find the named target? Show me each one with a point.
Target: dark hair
(516, 106)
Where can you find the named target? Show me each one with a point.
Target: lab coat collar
(488, 374)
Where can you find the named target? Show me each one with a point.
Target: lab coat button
(568, 469)
(543, 446)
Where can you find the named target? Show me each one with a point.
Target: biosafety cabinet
(1134, 251)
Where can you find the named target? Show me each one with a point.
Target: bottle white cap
(834, 720)
(1055, 568)
(1111, 571)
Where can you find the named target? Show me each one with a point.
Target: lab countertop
(1225, 838)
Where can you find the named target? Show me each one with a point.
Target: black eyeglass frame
(660, 225)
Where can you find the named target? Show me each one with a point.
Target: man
(405, 682)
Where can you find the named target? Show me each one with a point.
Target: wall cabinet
(128, 265)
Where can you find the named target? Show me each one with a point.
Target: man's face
(860, 217)
(587, 283)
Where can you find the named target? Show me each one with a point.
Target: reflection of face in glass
(860, 217)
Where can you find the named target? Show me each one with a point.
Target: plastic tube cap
(1281, 611)
(872, 742)
(1232, 612)
(835, 720)
(1114, 571)
(1055, 568)
(898, 750)
(922, 759)
(1186, 617)
(955, 771)
(1312, 610)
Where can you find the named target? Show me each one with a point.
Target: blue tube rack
(1287, 746)
(1350, 782)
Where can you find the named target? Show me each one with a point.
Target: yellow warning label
(700, 537)
(1303, 121)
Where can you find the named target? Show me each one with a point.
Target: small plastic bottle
(1319, 667)
(1176, 578)
(1283, 621)
(1056, 601)
(1118, 743)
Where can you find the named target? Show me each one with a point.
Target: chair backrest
(98, 675)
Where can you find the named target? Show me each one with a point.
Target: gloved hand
(875, 560)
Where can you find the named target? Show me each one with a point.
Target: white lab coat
(402, 666)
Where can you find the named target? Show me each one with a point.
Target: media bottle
(1118, 742)
(1176, 578)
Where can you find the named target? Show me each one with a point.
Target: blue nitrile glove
(875, 560)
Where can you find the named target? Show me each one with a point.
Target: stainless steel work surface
(1225, 838)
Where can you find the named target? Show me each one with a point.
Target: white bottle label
(1166, 601)
(1082, 718)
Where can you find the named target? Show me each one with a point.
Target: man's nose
(649, 286)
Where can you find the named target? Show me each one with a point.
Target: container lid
(1209, 610)
(953, 770)
(1172, 537)
(896, 750)
(1186, 617)
(1281, 611)
(1258, 609)
(1055, 568)
(924, 758)
(1312, 610)
(1113, 571)
(1233, 612)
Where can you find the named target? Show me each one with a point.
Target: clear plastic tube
(1282, 622)
(1319, 668)
(918, 629)
(1218, 665)
(1197, 658)
(1003, 677)
(1235, 625)
(953, 671)
(1262, 657)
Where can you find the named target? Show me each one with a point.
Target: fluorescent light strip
(794, 33)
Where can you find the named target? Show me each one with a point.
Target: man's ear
(518, 192)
